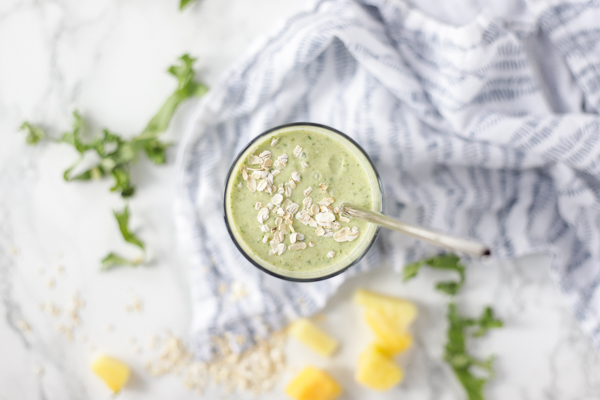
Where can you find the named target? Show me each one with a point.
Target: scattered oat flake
(238, 290)
(254, 160)
(297, 246)
(274, 141)
(281, 248)
(331, 254)
(296, 176)
(222, 289)
(256, 370)
(304, 164)
(258, 205)
(327, 201)
(277, 199)
(263, 215)
(297, 151)
(23, 326)
(137, 304)
(311, 244)
(323, 187)
(262, 185)
(251, 184)
(344, 219)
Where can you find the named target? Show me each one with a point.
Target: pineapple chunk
(112, 371)
(388, 336)
(310, 334)
(400, 313)
(313, 384)
(377, 370)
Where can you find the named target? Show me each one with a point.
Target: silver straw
(438, 239)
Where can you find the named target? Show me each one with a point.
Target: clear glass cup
(366, 239)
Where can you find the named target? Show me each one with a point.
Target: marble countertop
(107, 59)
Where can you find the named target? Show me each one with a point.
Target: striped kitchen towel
(474, 130)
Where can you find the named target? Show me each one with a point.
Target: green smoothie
(283, 196)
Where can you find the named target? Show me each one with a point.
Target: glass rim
(245, 254)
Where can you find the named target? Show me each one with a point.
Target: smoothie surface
(290, 219)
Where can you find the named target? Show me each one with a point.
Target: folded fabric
(470, 133)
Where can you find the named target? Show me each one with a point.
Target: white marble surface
(107, 59)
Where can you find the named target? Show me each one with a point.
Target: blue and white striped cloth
(488, 130)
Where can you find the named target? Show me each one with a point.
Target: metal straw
(438, 239)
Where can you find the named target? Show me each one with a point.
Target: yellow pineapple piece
(112, 371)
(386, 330)
(313, 384)
(377, 370)
(312, 336)
(399, 313)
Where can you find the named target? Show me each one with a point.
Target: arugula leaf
(456, 350)
(186, 88)
(123, 221)
(156, 151)
(122, 182)
(34, 133)
(74, 137)
(444, 261)
(117, 154)
(113, 260)
(184, 3)
(486, 322)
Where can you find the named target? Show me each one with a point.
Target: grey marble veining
(107, 58)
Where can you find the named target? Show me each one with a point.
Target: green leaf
(486, 322)
(34, 133)
(123, 221)
(156, 151)
(122, 183)
(74, 136)
(113, 260)
(186, 88)
(184, 3)
(444, 261)
(448, 287)
(411, 270)
(457, 356)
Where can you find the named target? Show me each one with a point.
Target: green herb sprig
(184, 3)
(455, 351)
(456, 354)
(117, 154)
(445, 261)
(113, 260)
